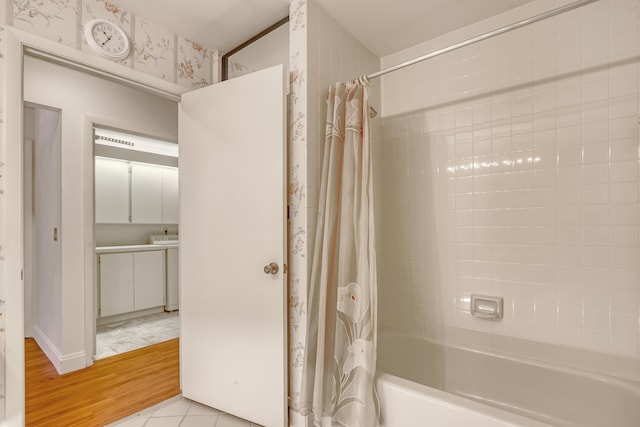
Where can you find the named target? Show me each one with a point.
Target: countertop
(133, 248)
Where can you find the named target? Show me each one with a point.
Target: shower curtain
(340, 352)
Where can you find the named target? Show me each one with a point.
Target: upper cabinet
(112, 191)
(170, 195)
(135, 193)
(146, 194)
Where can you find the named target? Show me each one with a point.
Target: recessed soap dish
(487, 307)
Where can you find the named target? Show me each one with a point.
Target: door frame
(17, 43)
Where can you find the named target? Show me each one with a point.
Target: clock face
(107, 39)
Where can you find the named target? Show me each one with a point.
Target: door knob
(271, 268)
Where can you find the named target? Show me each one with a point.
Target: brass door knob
(271, 268)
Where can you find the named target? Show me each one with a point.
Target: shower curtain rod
(484, 36)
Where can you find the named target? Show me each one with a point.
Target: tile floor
(120, 337)
(181, 412)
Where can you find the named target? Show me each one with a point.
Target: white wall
(129, 234)
(85, 99)
(511, 169)
(47, 208)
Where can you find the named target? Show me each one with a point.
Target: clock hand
(108, 38)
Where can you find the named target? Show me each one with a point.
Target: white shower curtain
(340, 353)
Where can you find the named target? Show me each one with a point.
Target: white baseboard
(63, 364)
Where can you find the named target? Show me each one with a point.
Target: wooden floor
(109, 390)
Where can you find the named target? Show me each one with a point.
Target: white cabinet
(146, 194)
(135, 193)
(116, 283)
(173, 292)
(148, 279)
(131, 281)
(169, 195)
(112, 191)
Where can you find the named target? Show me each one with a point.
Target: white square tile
(623, 279)
(624, 149)
(177, 408)
(626, 171)
(546, 313)
(623, 257)
(595, 91)
(624, 128)
(595, 256)
(595, 131)
(624, 301)
(164, 422)
(625, 192)
(624, 106)
(596, 320)
(624, 323)
(569, 135)
(595, 215)
(199, 421)
(596, 277)
(137, 421)
(226, 420)
(596, 299)
(199, 409)
(625, 236)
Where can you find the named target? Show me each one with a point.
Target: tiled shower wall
(510, 168)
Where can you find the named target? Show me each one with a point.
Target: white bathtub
(428, 383)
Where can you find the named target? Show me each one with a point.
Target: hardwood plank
(111, 389)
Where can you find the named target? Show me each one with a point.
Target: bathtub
(423, 382)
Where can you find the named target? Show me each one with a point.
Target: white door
(233, 224)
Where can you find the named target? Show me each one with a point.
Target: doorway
(42, 218)
(82, 100)
(136, 234)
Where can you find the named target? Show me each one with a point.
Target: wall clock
(107, 39)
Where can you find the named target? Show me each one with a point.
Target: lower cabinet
(131, 281)
(148, 279)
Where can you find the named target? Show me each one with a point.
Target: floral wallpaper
(297, 195)
(194, 64)
(47, 18)
(154, 50)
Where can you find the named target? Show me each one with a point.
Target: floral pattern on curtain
(340, 360)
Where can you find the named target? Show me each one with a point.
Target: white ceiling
(385, 26)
